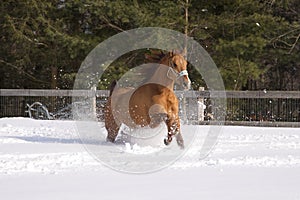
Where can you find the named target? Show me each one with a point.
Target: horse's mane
(155, 56)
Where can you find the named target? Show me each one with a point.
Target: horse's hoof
(180, 144)
(110, 140)
(167, 142)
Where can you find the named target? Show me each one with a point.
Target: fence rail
(51, 93)
(276, 107)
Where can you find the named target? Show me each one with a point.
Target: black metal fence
(241, 106)
(15, 103)
(273, 106)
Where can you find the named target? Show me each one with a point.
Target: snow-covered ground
(47, 160)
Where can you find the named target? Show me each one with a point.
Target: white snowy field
(47, 160)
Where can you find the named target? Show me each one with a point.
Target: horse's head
(178, 66)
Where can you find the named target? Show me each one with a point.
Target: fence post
(201, 106)
(184, 113)
(94, 101)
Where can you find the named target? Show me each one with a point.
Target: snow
(48, 160)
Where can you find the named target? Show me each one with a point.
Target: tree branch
(27, 74)
(293, 46)
(284, 34)
(113, 25)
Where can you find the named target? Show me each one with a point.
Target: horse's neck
(160, 76)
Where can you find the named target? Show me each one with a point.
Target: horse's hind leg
(112, 131)
(111, 126)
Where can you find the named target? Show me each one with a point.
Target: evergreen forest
(254, 43)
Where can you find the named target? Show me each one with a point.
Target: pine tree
(255, 44)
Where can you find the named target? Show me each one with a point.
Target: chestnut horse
(152, 103)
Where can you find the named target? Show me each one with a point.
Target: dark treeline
(255, 43)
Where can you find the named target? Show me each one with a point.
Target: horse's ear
(177, 51)
(182, 52)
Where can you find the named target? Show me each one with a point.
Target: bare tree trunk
(186, 27)
(54, 73)
(53, 105)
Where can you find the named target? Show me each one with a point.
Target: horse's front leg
(173, 124)
(179, 140)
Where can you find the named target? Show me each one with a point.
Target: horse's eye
(174, 65)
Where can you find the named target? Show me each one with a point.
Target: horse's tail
(112, 87)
